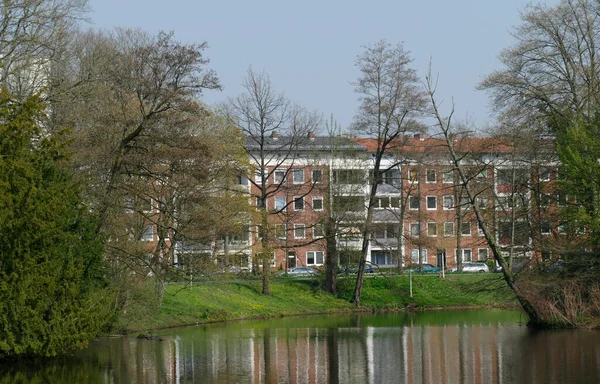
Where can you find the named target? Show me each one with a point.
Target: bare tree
(390, 101)
(33, 33)
(551, 71)
(274, 129)
(445, 125)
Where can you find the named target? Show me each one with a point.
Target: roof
(305, 144)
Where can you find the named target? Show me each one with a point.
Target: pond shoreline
(238, 301)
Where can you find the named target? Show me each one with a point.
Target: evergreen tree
(52, 295)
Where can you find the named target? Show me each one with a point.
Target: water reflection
(438, 347)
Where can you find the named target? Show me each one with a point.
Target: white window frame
(318, 198)
(148, 234)
(479, 230)
(427, 181)
(446, 234)
(482, 202)
(546, 169)
(318, 231)
(282, 209)
(434, 199)
(410, 229)
(315, 257)
(487, 254)
(258, 176)
(410, 202)
(465, 224)
(448, 174)
(299, 198)
(434, 225)
(297, 172)
(549, 232)
(448, 198)
(414, 171)
(464, 251)
(414, 256)
(282, 178)
(312, 176)
(297, 227)
(281, 231)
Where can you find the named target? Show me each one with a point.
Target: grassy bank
(218, 301)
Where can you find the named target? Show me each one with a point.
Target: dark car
(353, 269)
(427, 268)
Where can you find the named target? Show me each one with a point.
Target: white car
(472, 267)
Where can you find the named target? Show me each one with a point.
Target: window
(348, 176)
(506, 176)
(317, 176)
(258, 176)
(279, 176)
(562, 227)
(414, 256)
(432, 229)
(479, 230)
(314, 257)
(299, 203)
(317, 203)
(545, 199)
(561, 199)
(413, 202)
(448, 202)
(260, 202)
(392, 177)
(318, 231)
(382, 202)
(392, 231)
(448, 176)
(415, 229)
(299, 231)
(348, 203)
(467, 254)
(482, 202)
(280, 231)
(298, 176)
(395, 202)
(148, 234)
(280, 203)
(544, 174)
(465, 229)
(413, 175)
(481, 175)
(430, 176)
(546, 228)
(482, 254)
(448, 229)
(431, 202)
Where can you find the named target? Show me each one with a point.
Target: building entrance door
(291, 260)
(441, 258)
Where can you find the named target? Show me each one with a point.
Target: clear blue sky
(309, 47)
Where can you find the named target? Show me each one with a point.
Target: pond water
(475, 346)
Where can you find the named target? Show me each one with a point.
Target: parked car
(472, 267)
(353, 269)
(427, 268)
(301, 271)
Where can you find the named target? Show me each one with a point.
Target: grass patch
(210, 302)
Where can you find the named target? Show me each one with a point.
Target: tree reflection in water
(438, 347)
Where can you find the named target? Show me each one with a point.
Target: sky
(309, 47)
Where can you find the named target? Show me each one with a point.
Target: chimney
(311, 135)
(274, 135)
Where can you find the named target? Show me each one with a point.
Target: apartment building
(422, 210)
